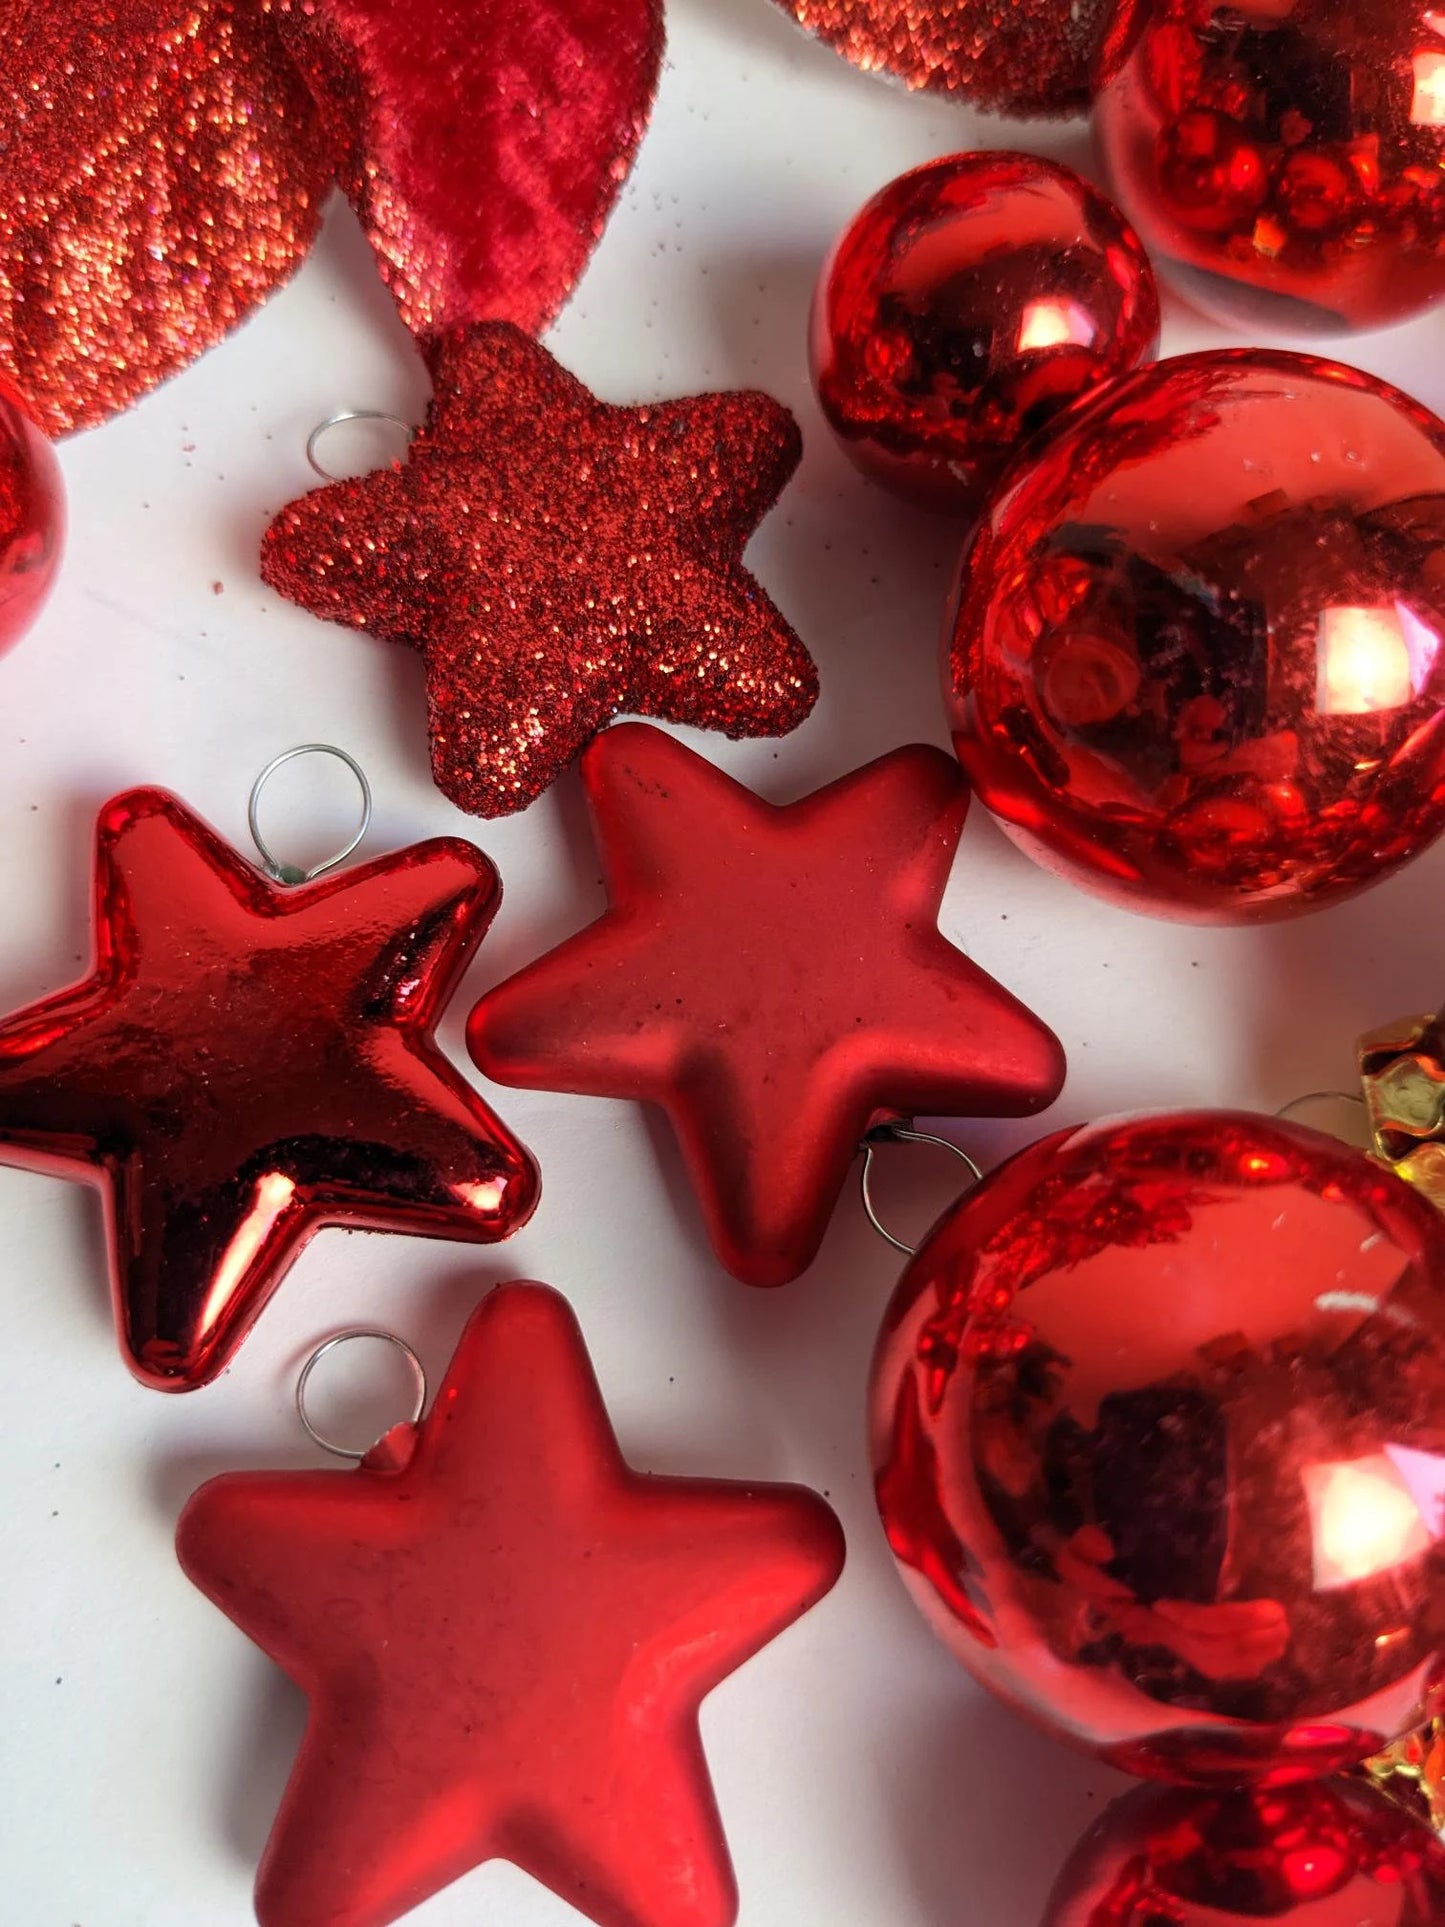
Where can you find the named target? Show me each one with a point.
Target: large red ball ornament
(1158, 1422)
(1283, 159)
(1331, 1854)
(1196, 652)
(966, 307)
(32, 517)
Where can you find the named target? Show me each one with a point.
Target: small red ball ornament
(1283, 158)
(32, 517)
(1158, 1418)
(1196, 653)
(1335, 1854)
(967, 306)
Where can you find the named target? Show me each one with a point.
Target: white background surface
(864, 1782)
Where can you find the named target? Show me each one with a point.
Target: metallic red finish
(247, 1063)
(967, 306)
(774, 978)
(1284, 160)
(1195, 660)
(1158, 1417)
(505, 1634)
(32, 517)
(1321, 1854)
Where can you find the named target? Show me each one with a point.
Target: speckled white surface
(863, 1781)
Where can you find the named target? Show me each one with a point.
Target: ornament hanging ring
(278, 871)
(418, 1372)
(338, 420)
(901, 1134)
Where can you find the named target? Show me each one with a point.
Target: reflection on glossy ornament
(1158, 1419)
(32, 517)
(1283, 158)
(967, 306)
(1323, 1854)
(1195, 655)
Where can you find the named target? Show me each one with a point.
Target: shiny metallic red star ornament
(505, 1634)
(164, 163)
(1323, 1854)
(774, 979)
(1195, 661)
(247, 1063)
(965, 308)
(1284, 160)
(1158, 1423)
(557, 561)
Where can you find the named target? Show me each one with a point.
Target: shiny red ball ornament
(32, 517)
(966, 307)
(1195, 659)
(1321, 1854)
(505, 1634)
(1284, 160)
(1158, 1421)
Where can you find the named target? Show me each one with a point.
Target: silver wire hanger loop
(1286, 1111)
(338, 420)
(902, 1134)
(418, 1373)
(289, 873)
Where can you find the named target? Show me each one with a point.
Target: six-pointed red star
(505, 1634)
(247, 1063)
(558, 561)
(774, 978)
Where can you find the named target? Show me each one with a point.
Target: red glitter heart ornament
(163, 164)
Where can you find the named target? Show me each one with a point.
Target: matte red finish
(772, 977)
(967, 306)
(1158, 1418)
(1196, 653)
(32, 517)
(505, 1634)
(1322, 1854)
(247, 1063)
(1284, 160)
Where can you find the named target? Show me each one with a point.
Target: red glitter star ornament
(773, 978)
(163, 164)
(247, 1063)
(558, 561)
(529, 1627)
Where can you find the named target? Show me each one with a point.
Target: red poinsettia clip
(163, 164)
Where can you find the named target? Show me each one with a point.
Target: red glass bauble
(1195, 658)
(1283, 158)
(1158, 1418)
(32, 517)
(967, 306)
(1323, 1854)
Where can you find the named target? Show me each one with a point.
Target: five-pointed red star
(505, 1634)
(774, 978)
(247, 1063)
(558, 561)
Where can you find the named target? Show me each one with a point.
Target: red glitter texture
(557, 561)
(774, 978)
(1333, 1854)
(247, 1063)
(505, 1634)
(1196, 656)
(1009, 56)
(1158, 1418)
(32, 517)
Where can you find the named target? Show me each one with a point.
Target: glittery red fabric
(774, 979)
(1010, 56)
(530, 112)
(558, 561)
(505, 1634)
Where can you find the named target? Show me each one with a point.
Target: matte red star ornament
(558, 561)
(505, 1634)
(247, 1063)
(775, 979)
